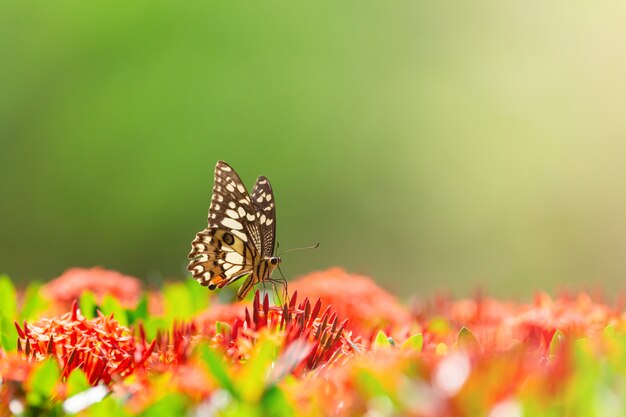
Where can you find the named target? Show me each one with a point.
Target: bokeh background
(432, 145)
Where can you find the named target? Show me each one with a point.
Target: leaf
(110, 305)
(197, 294)
(558, 339)
(465, 339)
(77, 382)
(152, 325)
(222, 328)
(370, 383)
(255, 372)
(178, 302)
(8, 334)
(34, 302)
(414, 342)
(275, 403)
(42, 381)
(8, 299)
(87, 304)
(109, 406)
(217, 369)
(173, 404)
(140, 312)
(382, 341)
(609, 331)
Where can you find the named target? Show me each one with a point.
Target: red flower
(312, 337)
(73, 282)
(225, 313)
(356, 297)
(101, 347)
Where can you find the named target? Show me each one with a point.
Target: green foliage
(34, 302)
(466, 339)
(172, 404)
(8, 314)
(87, 304)
(254, 374)
(382, 340)
(42, 382)
(556, 343)
(275, 403)
(218, 369)
(110, 306)
(77, 382)
(414, 342)
(184, 299)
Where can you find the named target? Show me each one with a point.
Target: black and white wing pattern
(263, 200)
(240, 234)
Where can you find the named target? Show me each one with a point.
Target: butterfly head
(274, 260)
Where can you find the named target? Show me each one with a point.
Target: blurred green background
(430, 145)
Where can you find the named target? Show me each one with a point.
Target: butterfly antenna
(297, 249)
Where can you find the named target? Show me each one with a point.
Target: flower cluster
(101, 347)
(340, 345)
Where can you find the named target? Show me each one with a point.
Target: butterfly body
(239, 240)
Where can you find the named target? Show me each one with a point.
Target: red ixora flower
(313, 337)
(74, 281)
(356, 297)
(101, 347)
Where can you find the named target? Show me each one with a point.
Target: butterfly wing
(229, 247)
(263, 200)
(218, 258)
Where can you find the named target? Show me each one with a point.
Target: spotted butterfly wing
(232, 246)
(263, 200)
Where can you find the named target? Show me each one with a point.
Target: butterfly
(240, 236)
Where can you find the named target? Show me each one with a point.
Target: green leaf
(77, 382)
(255, 372)
(152, 325)
(8, 334)
(217, 369)
(275, 403)
(110, 305)
(222, 328)
(465, 339)
(8, 299)
(609, 331)
(382, 341)
(88, 305)
(198, 294)
(140, 312)
(178, 302)
(34, 302)
(42, 381)
(414, 342)
(109, 406)
(172, 404)
(557, 342)
(370, 384)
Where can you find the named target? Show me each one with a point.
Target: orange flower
(73, 282)
(356, 297)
